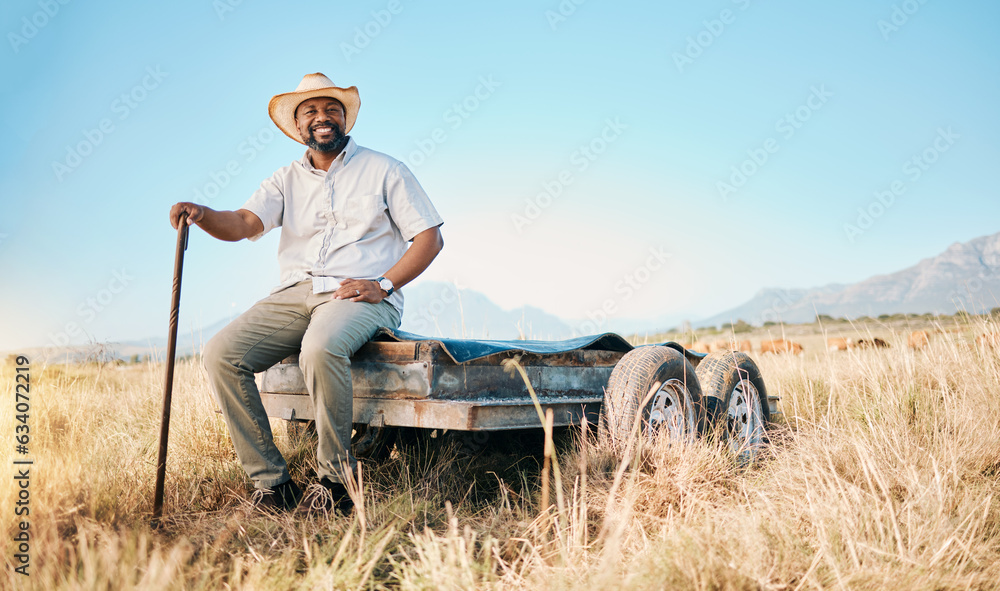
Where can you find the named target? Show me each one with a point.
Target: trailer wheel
(674, 409)
(735, 394)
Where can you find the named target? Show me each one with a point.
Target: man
(346, 214)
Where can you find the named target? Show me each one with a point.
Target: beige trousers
(325, 332)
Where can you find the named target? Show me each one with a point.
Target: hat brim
(282, 107)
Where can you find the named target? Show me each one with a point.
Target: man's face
(321, 124)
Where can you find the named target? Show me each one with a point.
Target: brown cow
(722, 346)
(875, 343)
(837, 344)
(701, 347)
(988, 340)
(745, 346)
(918, 339)
(780, 346)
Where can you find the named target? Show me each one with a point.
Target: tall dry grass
(883, 475)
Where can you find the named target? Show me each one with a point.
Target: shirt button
(342, 225)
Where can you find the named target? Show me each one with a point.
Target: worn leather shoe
(325, 497)
(283, 497)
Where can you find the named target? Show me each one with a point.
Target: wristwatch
(386, 285)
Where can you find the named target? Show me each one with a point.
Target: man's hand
(224, 225)
(195, 213)
(426, 245)
(359, 290)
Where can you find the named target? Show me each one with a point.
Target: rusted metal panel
(291, 407)
(493, 415)
(463, 382)
(411, 380)
(418, 384)
(500, 415)
(391, 380)
(283, 378)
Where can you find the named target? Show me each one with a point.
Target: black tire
(736, 399)
(675, 409)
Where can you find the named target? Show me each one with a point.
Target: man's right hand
(194, 212)
(224, 225)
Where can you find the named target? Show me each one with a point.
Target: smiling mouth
(323, 129)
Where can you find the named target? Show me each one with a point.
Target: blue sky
(563, 144)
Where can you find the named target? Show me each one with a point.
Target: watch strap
(387, 291)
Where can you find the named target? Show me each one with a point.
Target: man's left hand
(359, 290)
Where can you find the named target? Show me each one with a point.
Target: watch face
(385, 284)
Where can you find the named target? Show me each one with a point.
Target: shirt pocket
(363, 215)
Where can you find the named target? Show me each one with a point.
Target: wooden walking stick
(168, 386)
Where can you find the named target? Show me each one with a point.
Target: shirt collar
(343, 158)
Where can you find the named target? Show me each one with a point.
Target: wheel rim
(669, 415)
(745, 419)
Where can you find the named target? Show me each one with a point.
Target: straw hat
(282, 106)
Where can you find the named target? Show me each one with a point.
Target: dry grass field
(884, 473)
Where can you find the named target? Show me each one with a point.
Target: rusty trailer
(405, 380)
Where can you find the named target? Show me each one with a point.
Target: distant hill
(963, 277)
(442, 309)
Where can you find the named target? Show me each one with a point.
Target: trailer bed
(405, 380)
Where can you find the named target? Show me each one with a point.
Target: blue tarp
(462, 350)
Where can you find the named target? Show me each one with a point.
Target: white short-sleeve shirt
(354, 220)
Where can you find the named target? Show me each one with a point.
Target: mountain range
(966, 276)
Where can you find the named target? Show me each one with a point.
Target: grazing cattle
(745, 346)
(875, 343)
(836, 344)
(918, 339)
(987, 340)
(780, 346)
